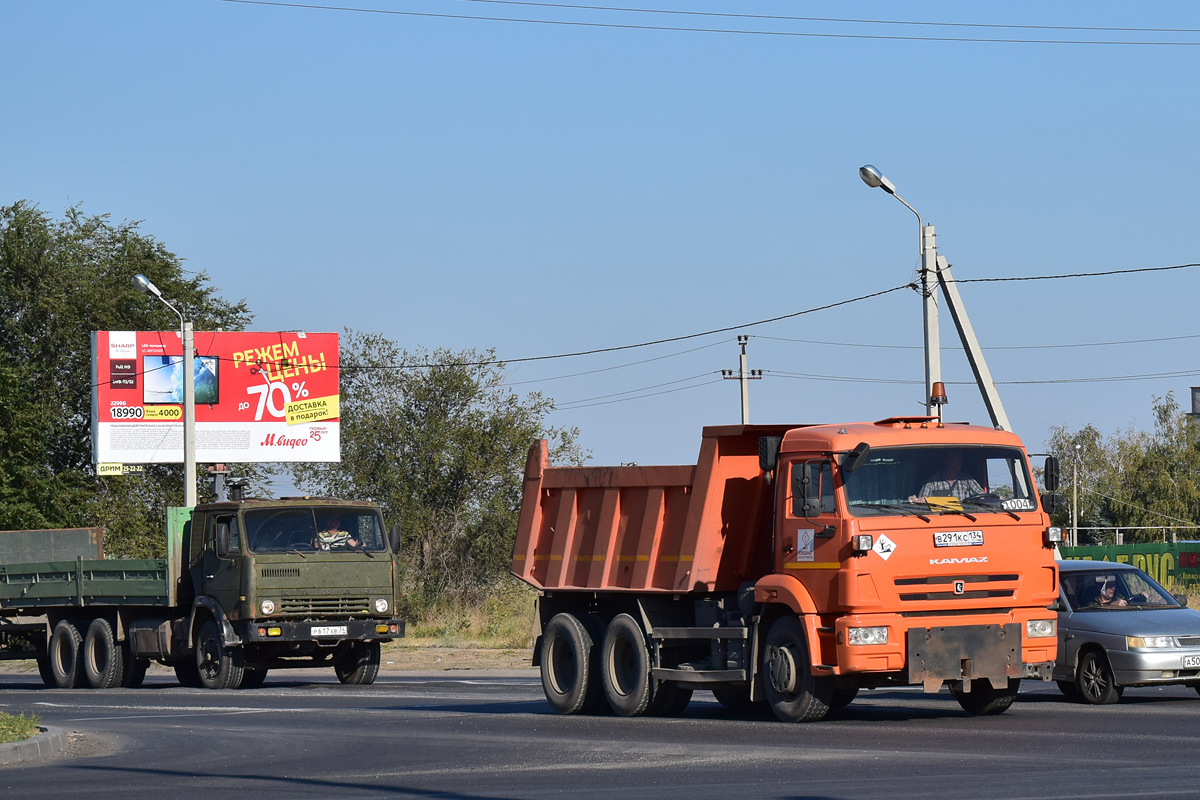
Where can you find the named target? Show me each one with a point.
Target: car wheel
(1094, 680)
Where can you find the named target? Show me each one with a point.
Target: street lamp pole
(928, 248)
(190, 499)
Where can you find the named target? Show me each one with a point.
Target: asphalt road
(486, 734)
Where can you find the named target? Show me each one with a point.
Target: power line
(1103, 379)
(640, 397)
(631, 391)
(839, 20)
(997, 347)
(1075, 274)
(732, 31)
(620, 366)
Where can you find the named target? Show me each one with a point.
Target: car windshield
(923, 480)
(1113, 590)
(282, 530)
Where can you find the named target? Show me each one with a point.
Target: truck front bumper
(331, 631)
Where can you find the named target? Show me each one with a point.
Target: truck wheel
(733, 696)
(1095, 681)
(570, 677)
(47, 674)
(135, 671)
(360, 665)
(794, 693)
(625, 667)
(253, 678)
(670, 699)
(103, 663)
(842, 698)
(984, 699)
(66, 664)
(187, 674)
(220, 667)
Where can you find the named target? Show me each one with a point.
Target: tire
(625, 667)
(842, 698)
(1094, 680)
(220, 667)
(570, 672)
(103, 656)
(734, 696)
(670, 699)
(65, 656)
(359, 666)
(135, 671)
(47, 674)
(1069, 689)
(187, 674)
(984, 699)
(794, 693)
(253, 678)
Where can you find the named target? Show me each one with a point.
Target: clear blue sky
(547, 188)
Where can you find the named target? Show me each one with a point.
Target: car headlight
(268, 606)
(1038, 628)
(1150, 641)
(868, 635)
(381, 605)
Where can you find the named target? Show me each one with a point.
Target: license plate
(1191, 662)
(329, 630)
(958, 539)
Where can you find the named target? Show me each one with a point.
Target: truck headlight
(381, 605)
(1053, 536)
(868, 635)
(1150, 641)
(862, 543)
(268, 606)
(1039, 628)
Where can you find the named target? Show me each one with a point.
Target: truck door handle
(1070, 636)
(210, 577)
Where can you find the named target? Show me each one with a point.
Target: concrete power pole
(744, 376)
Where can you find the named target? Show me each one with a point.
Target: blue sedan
(1117, 627)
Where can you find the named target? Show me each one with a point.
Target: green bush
(14, 729)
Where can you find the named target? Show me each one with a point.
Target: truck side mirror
(768, 452)
(394, 538)
(221, 540)
(1053, 502)
(1050, 474)
(856, 457)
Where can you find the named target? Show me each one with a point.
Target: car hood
(1139, 622)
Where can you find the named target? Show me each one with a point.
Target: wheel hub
(782, 668)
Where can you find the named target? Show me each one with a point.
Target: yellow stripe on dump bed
(812, 565)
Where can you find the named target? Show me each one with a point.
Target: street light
(143, 284)
(872, 177)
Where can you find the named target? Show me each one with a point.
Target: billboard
(260, 397)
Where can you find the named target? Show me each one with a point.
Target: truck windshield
(922, 480)
(331, 529)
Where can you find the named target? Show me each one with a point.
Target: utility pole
(1075, 499)
(744, 376)
(929, 287)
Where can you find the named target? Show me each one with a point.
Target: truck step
(700, 633)
(700, 675)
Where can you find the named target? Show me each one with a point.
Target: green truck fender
(204, 604)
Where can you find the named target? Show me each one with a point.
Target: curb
(49, 741)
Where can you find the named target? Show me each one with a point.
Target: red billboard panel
(259, 397)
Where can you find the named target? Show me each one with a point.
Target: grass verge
(15, 729)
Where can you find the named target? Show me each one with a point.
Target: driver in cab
(949, 481)
(333, 536)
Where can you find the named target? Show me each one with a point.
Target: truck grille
(944, 580)
(281, 572)
(323, 605)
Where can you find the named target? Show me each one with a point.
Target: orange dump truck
(793, 564)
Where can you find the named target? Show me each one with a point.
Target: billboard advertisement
(260, 397)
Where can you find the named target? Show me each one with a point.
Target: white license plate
(1191, 662)
(329, 630)
(958, 539)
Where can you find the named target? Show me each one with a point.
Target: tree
(1136, 478)
(442, 449)
(60, 280)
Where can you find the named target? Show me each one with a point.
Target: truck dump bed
(663, 528)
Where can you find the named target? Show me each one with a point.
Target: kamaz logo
(969, 560)
(960, 587)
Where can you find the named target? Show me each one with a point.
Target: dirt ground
(398, 657)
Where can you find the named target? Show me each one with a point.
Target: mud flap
(964, 653)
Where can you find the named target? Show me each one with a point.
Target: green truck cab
(247, 586)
